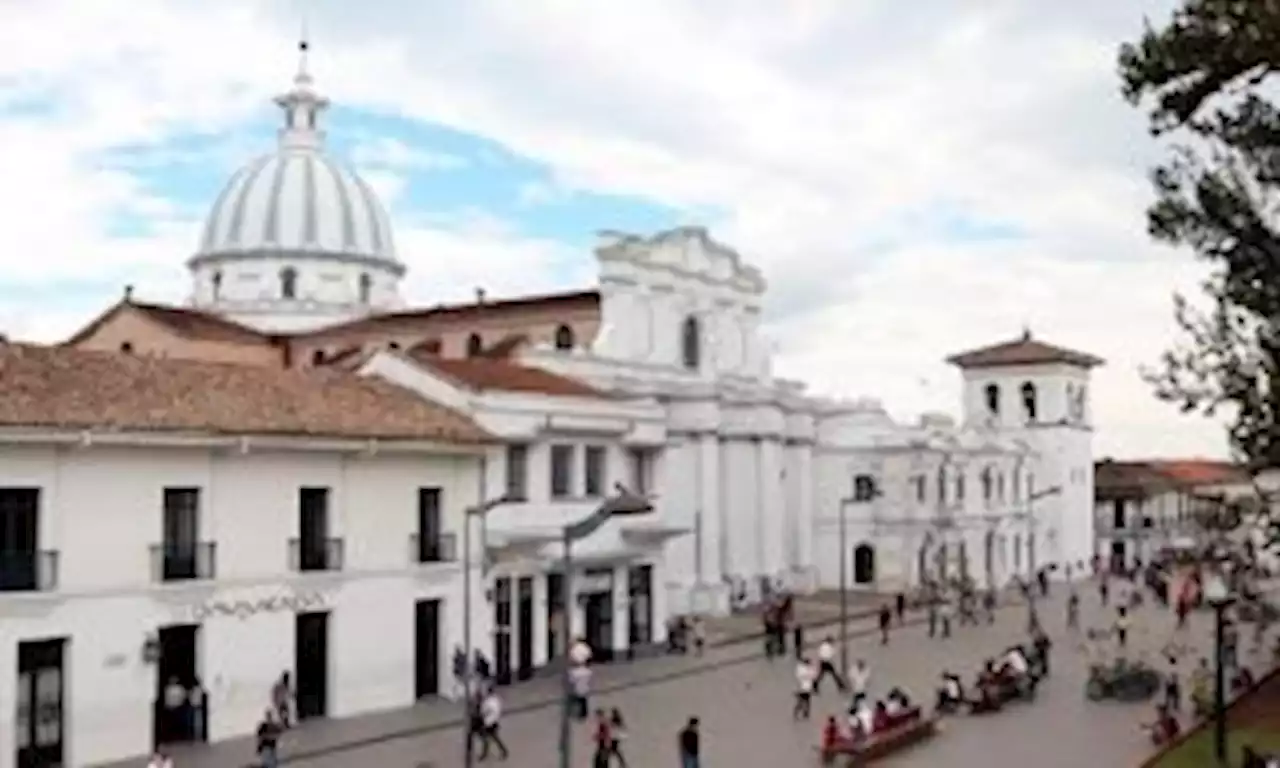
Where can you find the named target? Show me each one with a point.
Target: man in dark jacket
(690, 745)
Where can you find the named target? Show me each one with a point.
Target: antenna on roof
(480, 295)
(128, 293)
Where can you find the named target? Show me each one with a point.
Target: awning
(652, 533)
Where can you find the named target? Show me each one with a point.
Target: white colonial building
(659, 378)
(278, 521)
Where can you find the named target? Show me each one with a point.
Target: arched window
(366, 287)
(992, 396)
(216, 284)
(564, 337)
(1029, 401)
(691, 343)
(288, 283)
(475, 345)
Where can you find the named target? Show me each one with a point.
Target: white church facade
(658, 379)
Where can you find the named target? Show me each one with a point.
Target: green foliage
(1205, 79)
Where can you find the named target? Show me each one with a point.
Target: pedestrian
(175, 702)
(580, 684)
(699, 634)
(797, 639)
(900, 607)
(1073, 610)
(603, 739)
(618, 733)
(859, 677)
(944, 615)
(160, 759)
(690, 742)
(886, 617)
(460, 676)
(989, 604)
(196, 698)
(1104, 590)
(282, 700)
(827, 667)
(268, 738)
(1173, 690)
(933, 615)
(491, 720)
(804, 690)
(1122, 626)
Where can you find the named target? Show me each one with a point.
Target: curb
(656, 679)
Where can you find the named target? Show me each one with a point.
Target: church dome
(296, 240)
(300, 201)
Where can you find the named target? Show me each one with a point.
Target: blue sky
(909, 189)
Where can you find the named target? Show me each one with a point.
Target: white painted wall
(101, 508)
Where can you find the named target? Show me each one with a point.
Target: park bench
(882, 744)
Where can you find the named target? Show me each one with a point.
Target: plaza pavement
(744, 704)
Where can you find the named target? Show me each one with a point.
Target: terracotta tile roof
(1126, 479)
(1201, 471)
(62, 387)
(488, 373)
(185, 321)
(570, 300)
(1022, 351)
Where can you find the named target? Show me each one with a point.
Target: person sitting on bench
(951, 692)
(901, 710)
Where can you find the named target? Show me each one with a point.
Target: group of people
(867, 720)
(1017, 671)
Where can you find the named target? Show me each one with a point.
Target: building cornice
(245, 444)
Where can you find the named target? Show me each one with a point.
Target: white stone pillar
(540, 650)
(775, 524)
(621, 608)
(807, 511)
(709, 512)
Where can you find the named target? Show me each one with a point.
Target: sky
(913, 183)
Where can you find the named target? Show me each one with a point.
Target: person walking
(944, 616)
(699, 635)
(827, 667)
(690, 744)
(267, 739)
(933, 614)
(797, 639)
(603, 740)
(1122, 626)
(1173, 690)
(282, 699)
(859, 678)
(617, 734)
(580, 683)
(804, 690)
(900, 607)
(886, 618)
(491, 720)
(1073, 610)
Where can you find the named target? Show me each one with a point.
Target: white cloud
(825, 132)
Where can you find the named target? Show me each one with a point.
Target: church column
(773, 518)
(709, 530)
(806, 513)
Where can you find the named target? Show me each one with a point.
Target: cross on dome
(302, 107)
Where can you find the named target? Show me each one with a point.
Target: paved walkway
(730, 640)
(744, 703)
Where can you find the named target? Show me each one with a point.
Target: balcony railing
(35, 571)
(187, 561)
(315, 554)
(442, 548)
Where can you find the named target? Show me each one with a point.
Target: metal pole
(1219, 687)
(469, 749)
(844, 587)
(566, 745)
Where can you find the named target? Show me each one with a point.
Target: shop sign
(292, 602)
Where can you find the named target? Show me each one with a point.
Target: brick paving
(744, 703)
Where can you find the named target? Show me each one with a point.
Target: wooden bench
(883, 744)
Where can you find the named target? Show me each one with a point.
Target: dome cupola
(296, 240)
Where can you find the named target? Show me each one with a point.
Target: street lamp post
(1218, 596)
(477, 511)
(622, 503)
(864, 490)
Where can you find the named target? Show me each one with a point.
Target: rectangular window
(181, 533)
(19, 539)
(1117, 514)
(429, 526)
(313, 529)
(518, 471)
(561, 471)
(594, 471)
(641, 475)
